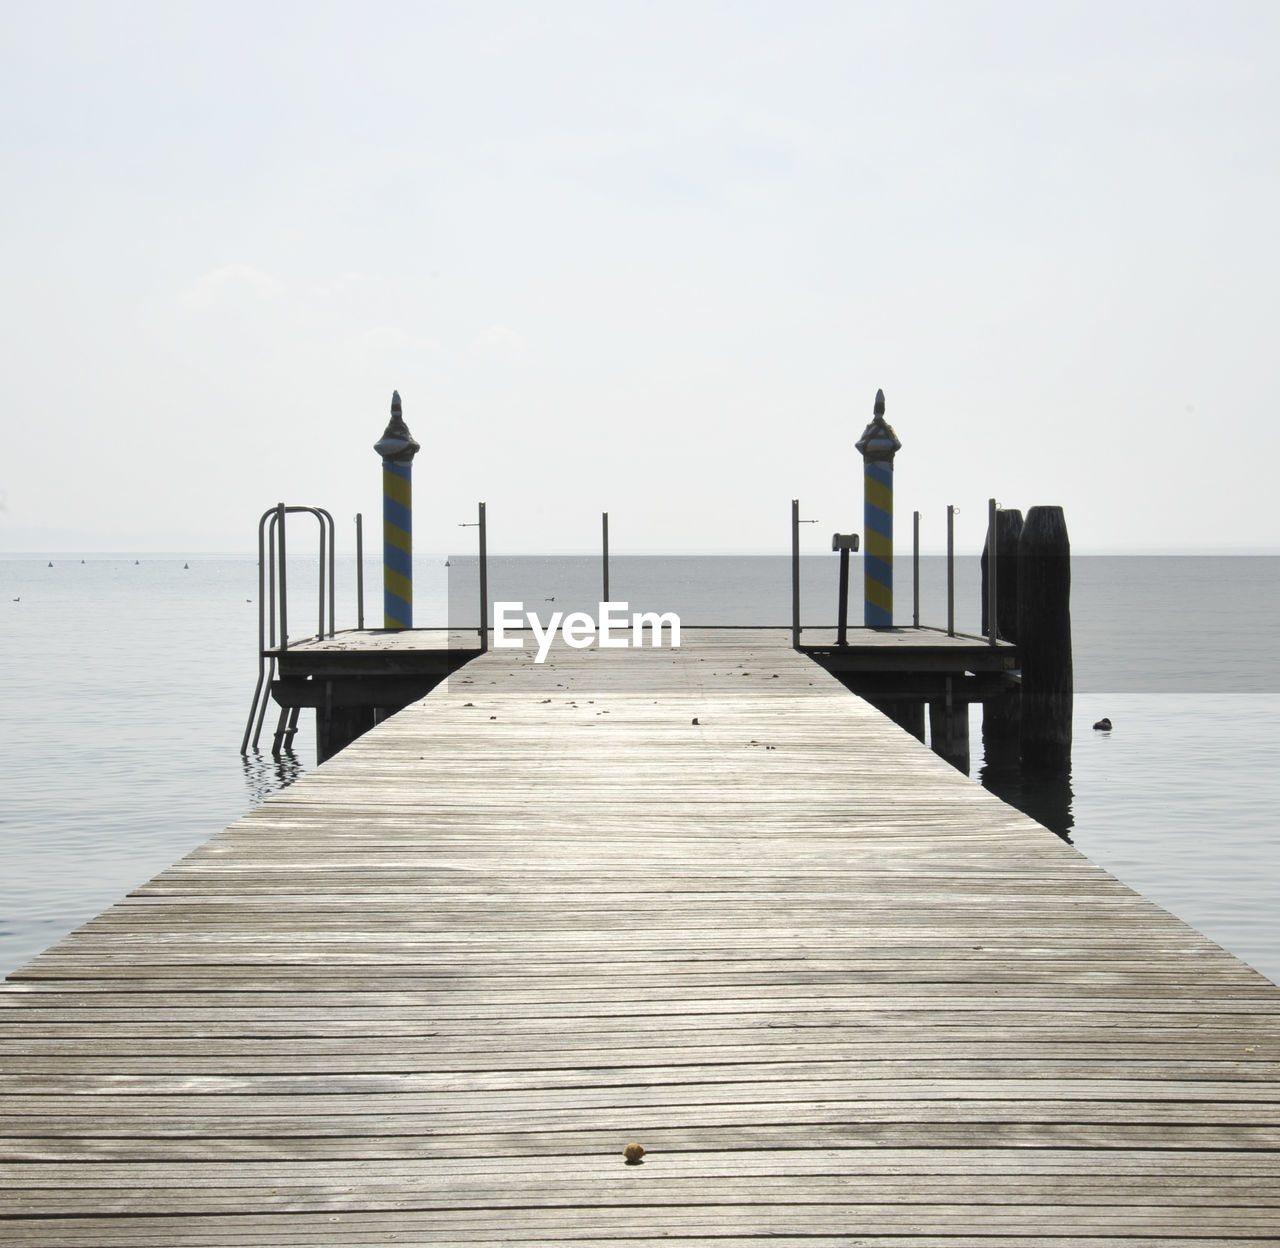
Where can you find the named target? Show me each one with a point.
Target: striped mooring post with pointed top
(878, 445)
(397, 448)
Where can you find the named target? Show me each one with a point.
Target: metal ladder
(273, 589)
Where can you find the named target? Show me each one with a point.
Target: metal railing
(273, 589)
(990, 591)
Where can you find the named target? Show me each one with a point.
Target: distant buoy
(1103, 725)
(186, 567)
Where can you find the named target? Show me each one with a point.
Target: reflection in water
(265, 775)
(1045, 797)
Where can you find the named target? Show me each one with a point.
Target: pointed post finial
(397, 444)
(879, 443)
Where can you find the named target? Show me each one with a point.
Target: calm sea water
(128, 681)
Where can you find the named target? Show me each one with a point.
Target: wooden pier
(704, 900)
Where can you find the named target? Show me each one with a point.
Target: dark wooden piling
(949, 732)
(338, 726)
(1044, 639)
(1008, 531)
(1002, 714)
(1001, 727)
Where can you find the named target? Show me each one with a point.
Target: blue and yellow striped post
(397, 448)
(878, 444)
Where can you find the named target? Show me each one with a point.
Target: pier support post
(1002, 713)
(949, 732)
(1044, 640)
(1001, 724)
(397, 448)
(878, 445)
(338, 726)
(1008, 531)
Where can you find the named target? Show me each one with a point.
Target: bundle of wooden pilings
(1032, 722)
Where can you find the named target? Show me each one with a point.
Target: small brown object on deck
(633, 1153)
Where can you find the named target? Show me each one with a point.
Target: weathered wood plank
(841, 994)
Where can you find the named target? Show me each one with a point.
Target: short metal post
(915, 569)
(844, 543)
(842, 610)
(951, 570)
(604, 527)
(795, 574)
(992, 629)
(359, 571)
(484, 582)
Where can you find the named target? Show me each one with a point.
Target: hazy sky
(654, 258)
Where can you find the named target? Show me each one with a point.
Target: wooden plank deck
(840, 993)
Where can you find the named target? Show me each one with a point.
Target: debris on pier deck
(703, 900)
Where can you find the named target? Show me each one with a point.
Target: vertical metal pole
(951, 570)
(795, 574)
(992, 629)
(842, 607)
(327, 520)
(397, 448)
(262, 587)
(272, 528)
(915, 569)
(484, 583)
(320, 592)
(604, 525)
(284, 580)
(359, 571)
